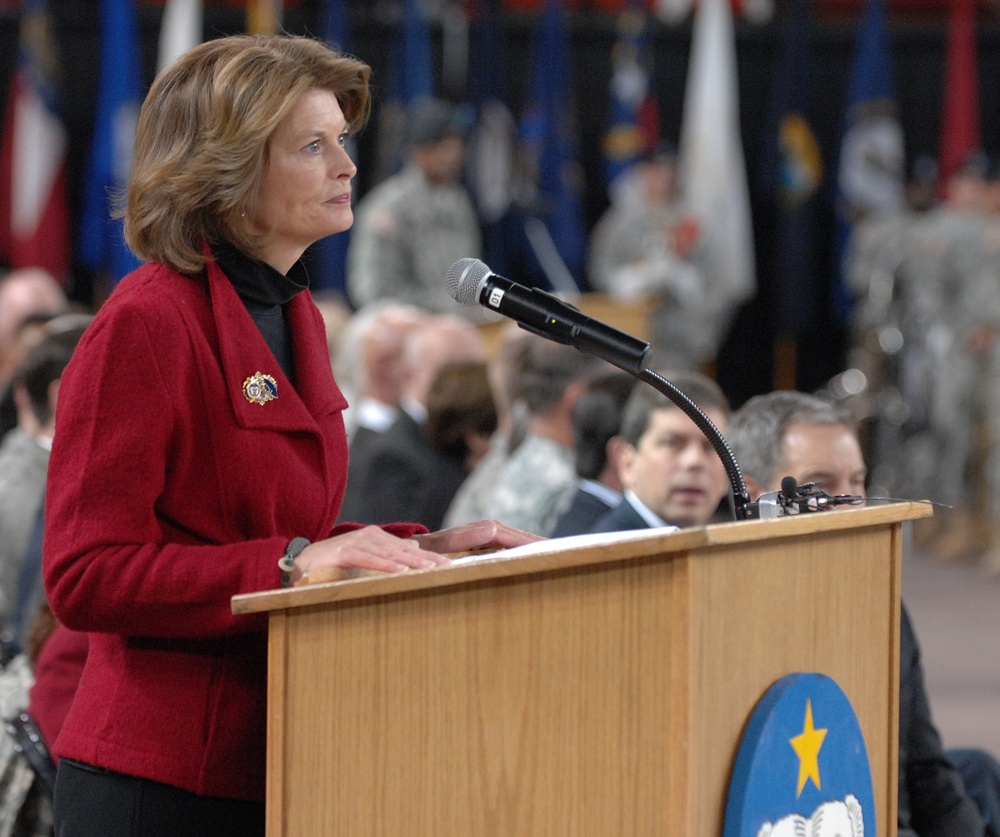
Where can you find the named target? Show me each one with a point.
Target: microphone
(796, 499)
(470, 281)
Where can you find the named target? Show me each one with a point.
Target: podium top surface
(564, 553)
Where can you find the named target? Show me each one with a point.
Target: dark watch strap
(287, 561)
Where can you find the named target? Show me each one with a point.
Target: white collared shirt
(646, 513)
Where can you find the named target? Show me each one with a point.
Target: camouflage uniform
(633, 253)
(535, 486)
(877, 250)
(472, 500)
(936, 368)
(980, 312)
(922, 276)
(406, 235)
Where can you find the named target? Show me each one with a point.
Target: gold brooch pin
(260, 388)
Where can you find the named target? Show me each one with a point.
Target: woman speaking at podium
(201, 441)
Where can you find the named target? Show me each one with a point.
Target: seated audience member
(401, 474)
(25, 294)
(369, 368)
(24, 457)
(671, 473)
(472, 499)
(415, 224)
(793, 434)
(32, 332)
(337, 314)
(597, 417)
(461, 415)
(535, 483)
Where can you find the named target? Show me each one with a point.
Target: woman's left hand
(474, 537)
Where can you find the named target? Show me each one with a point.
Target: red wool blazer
(169, 491)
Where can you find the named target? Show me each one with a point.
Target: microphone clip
(798, 499)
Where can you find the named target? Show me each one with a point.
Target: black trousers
(90, 802)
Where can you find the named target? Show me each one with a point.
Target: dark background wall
(747, 363)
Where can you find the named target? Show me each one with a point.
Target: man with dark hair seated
(596, 417)
(671, 473)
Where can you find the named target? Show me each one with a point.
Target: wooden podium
(600, 690)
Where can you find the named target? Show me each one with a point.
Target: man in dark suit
(401, 475)
(370, 371)
(670, 471)
(596, 416)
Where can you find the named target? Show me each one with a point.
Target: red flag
(34, 219)
(960, 114)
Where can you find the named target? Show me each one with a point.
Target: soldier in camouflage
(648, 244)
(414, 225)
(534, 484)
(944, 313)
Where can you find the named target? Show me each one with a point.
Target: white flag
(713, 174)
(180, 30)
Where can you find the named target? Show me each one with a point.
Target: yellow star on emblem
(807, 747)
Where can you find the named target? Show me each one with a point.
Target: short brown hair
(202, 138)
(459, 402)
(644, 401)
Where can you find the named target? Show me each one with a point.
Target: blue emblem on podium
(802, 768)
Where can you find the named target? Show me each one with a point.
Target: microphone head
(789, 487)
(465, 280)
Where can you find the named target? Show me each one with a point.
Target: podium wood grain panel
(514, 709)
(600, 691)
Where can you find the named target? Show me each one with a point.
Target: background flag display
(792, 173)
(180, 29)
(712, 171)
(263, 16)
(411, 78)
(34, 222)
(554, 224)
(492, 165)
(872, 155)
(633, 126)
(327, 268)
(102, 245)
(960, 116)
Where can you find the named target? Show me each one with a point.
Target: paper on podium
(551, 545)
(562, 544)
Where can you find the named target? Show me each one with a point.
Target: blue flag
(633, 122)
(411, 78)
(492, 143)
(415, 74)
(328, 256)
(792, 172)
(548, 134)
(872, 156)
(119, 96)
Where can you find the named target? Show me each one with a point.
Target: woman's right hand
(370, 548)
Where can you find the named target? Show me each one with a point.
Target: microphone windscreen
(465, 279)
(789, 487)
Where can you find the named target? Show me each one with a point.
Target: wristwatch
(287, 561)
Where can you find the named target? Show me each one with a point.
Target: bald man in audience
(401, 475)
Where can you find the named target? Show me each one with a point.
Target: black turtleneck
(265, 291)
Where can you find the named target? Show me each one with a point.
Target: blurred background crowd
(794, 194)
(777, 194)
